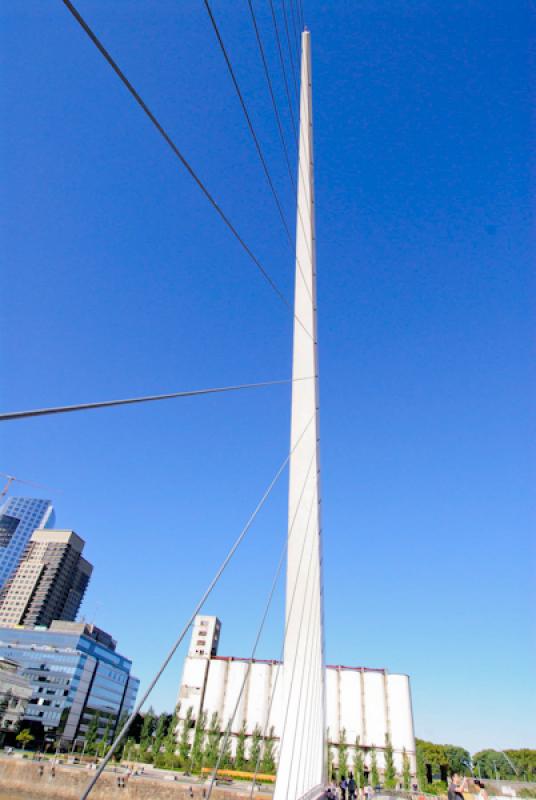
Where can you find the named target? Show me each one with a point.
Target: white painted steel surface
(215, 688)
(400, 717)
(350, 704)
(302, 754)
(235, 679)
(347, 693)
(258, 692)
(375, 716)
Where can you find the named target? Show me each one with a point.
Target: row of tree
(443, 759)
(341, 764)
(156, 741)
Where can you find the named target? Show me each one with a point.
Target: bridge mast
(302, 752)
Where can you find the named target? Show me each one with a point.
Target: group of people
(348, 789)
(458, 785)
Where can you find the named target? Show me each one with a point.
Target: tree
(524, 761)
(342, 753)
(374, 775)
(134, 731)
(24, 737)
(196, 755)
(213, 741)
(433, 756)
(359, 765)
(406, 771)
(225, 757)
(147, 729)
(457, 758)
(389, 774)
(240, 757)
(421, 769)
(160, 732)
(184, 741)
(268, 756)
(120, 749)
(129, 748)
(91, 735)
(103, 744)
(255, 749)
(170, 742)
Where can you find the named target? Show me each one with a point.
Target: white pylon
(302, 749)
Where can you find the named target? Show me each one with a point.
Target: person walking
(343, 786)
(351, 787)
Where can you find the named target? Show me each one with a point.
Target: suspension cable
(259, 632)
(283, 69)
(41, 412)
(288, 616)
(121, 75)
(292, 67)
(255, 139)
(124, 730)
(279, 124)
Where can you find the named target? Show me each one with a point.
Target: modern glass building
(19, 518)
(75, 674)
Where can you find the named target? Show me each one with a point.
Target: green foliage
(255, 749)
(505, 765)
(170, 742)
(374, 774)
(421, 768)
(524, 761)
(389, 775)
(526, 792)
(184, 741)
(342, 754)
(268, 756)
(160, 732)
(196, 755)
(437, 787)
(213, 742)
(458, 759)
(406, 771)
(225, 757)
(92, 732)
(450, 756)
(120, 749)
(332, 769)
(102, 747)
(359, 765)
(240, 758)
(147, 729)
(130, 749)
(167, 761)
(24, 737)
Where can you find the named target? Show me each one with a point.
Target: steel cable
(124, 730)
(104, 52)
(41, 412)
(256, 141)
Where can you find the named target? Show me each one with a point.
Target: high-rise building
(75, 674)
(49, 582)
(19, 518)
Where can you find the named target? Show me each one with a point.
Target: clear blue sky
(120, 280)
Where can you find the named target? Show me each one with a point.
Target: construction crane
(11, 479)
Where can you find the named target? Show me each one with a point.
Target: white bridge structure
(299, 704)
(302, 763)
